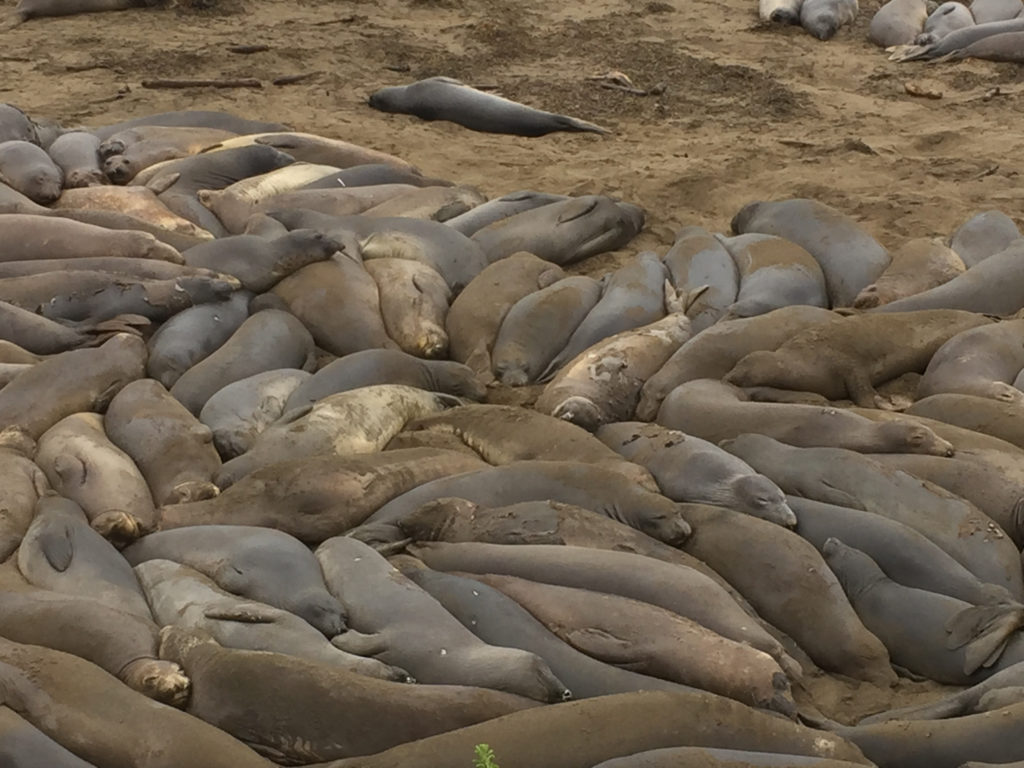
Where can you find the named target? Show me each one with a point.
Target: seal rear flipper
(603, 645)
(244, 613)
(983, 632)
(359, 643)
(575, 125)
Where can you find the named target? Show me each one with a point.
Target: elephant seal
(24, 484)
(387, 366)
(997, 418)
(716, 411)
(581, 734)
(849, 479)
(74, 702)
(959, 39)
(15, 125)
(1002, 47)
(172, 449)
(563, 232)
(181, 596)
(984, 234)
(259, 563)
(21, 743)
(849, 257)
(647, 639)
(138, 202)
(985, 11)
(43, 336)
(239, 412)
(773, 273)
(60, 552)
(124, 644)
(678, 589)
(444, 98)
(82, 464)
(224, 121)
(590, 486)
(322, 496)
(433, 203)
(602, 384)
(260, 263)
(38, 9)
(898, 22)
(697, 258)
(310, 148)
(713, 352)
(128, 153)
(475, 219)
(372, 174)
(538, 327)
(36, 237)
(780, 11)
(823, 18)
(27, 168)
(916, 266)
(945, 19)
(76, 153)
(699, 757)
(982, 361)
(312, 712)
(476, 314)
(398, 622)
(690, 469)
(358, 421)
(414, 300)
(851, 357)
(268, 340)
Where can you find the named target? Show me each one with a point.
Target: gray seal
(898, 22)
(773, 273)
(982, 361)
(76, 153)
(823, 18)
(28, 169)
(947, 18)
(472, 221)
(699, 259)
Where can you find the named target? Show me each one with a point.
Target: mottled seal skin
(21, 743)
(35, 237)
(322, 496)
(947, 18)
(444, 98)
(268, 340)
(997, 418)
(387, 366)
(476, 314)
(499, 620)
(79, 380)
(338, 301)
(851, 357)
(697, 258)
(74, 702)
(472, 221)
(699, 757)
(414, 301)
(193, 335)
(239, 412)
(690, 469)
(399, 623)
(823, 18)
(310, 712)
(716, 411)
(850, 258)
(62, 553)
(76, 153)
(849, 479)
(24, 484)
(538, 327)
(984, 234)
(172, 449)
(564, 232)
(358, 421)
(602, 384)
(983, 361)
(27, 168)
(259, 563)
(898, 22)
(139, 203)
(82, 463)
(773, 273)
(712, 353)
(259, 263)
(916, 266)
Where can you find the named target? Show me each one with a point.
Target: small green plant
(483, 757)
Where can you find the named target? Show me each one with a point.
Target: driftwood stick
(258, 48)
(240, 83)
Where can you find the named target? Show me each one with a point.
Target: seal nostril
(566, 695)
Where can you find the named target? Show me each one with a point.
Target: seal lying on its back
(444, 98)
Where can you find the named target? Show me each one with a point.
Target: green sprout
(484, 757)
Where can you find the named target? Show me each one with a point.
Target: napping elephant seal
(74, 702)
(387, 366)
(716, 411)
(84, 465)
(700, 757)
(358, 421)
(137, 202)
(76, 153)
(60, 552)
(414, 300)
(28, 238)
(773, 273)
(21, 743)
(310, 148)
(985, 11)
(898, 22)
(477, 313)
(27, 168)
(713, 352)
(1006, 46)
(472, 221)
(239, 412)
(320, 496)
(697, 258)
(172, 449)
(823, 18)
(947, 18)
(429, 203)
(372, 174)
(129, 152)
(849, 257)
(1004, 420)
(444, 98)
(982, 361)
(259, 563)
(312, 712)
(851, 357)
(984, 234)
(564, 232)
(917, 266)
(15, 125)
(188, 118)
(24, 484)
(690, 469)
(268, 340)
(43, 336)
(396, 621)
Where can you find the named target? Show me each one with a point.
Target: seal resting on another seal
(24, 484)
(414, 301)
(898, 22)
(984, 234)
(444, 98)
(27, 168)
(917, 266)
(697, 258)
(983, 361)
(76, 153)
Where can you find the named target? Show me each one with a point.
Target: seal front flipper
(360, 644)
(56, 544)
(244, 613)
(985, 631)
(576, 125)
(604, 646)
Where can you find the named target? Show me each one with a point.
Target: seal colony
(361, 474)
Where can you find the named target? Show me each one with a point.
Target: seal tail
(574, 125)
(983, 632)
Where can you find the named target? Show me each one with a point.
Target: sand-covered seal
(697, 258)
(47, 237)
(773, 273)
(918, 265)
(982, 361)
(414, 301)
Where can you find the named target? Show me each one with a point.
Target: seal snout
(832, 547)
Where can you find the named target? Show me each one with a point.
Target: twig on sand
(245, 82)
(258, 48)
(292, 79)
